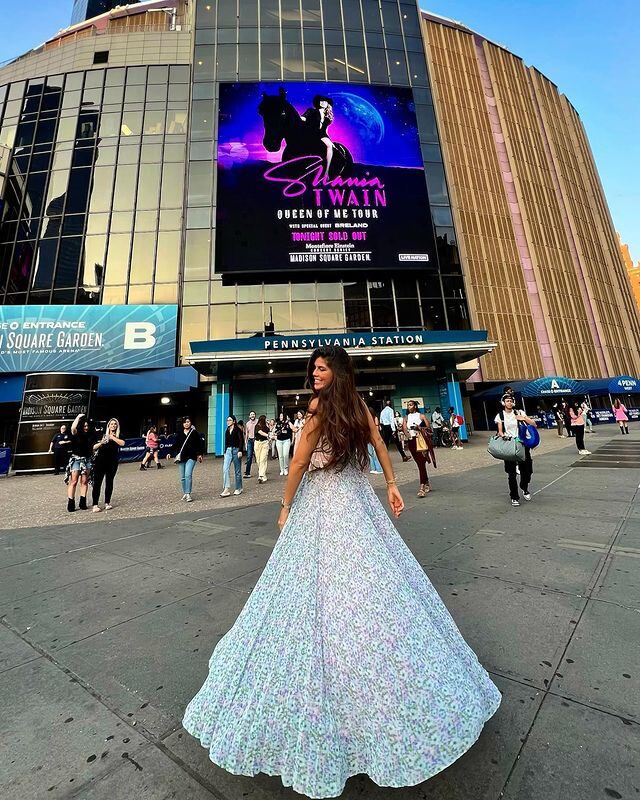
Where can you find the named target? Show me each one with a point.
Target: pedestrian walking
(233, 443)
(152, 445)
(187, 451)
(273, 452)
(374, 463)
(105, 464)
(577, 424)
(314, 682)
(413, 424)
(284, 430)
(79, 466)
(559, 417)
(437, 424)
(389, 431)
(249, 442)
(261, 447)
(586, 413)
(398, 435)
(298, 425)
(621, 415)
(59, 446)
(455, 421)
(507, 421)
(566, 416)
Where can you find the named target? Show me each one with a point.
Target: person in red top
(153, 448)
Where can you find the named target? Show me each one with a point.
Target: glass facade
(87, 9)
(93, 197)
(363, 41)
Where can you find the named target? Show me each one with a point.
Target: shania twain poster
(319, 177)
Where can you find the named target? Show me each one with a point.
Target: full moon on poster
(319, 177)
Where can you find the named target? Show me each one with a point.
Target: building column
(219, 401)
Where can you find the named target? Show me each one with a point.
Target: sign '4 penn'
(78, 338)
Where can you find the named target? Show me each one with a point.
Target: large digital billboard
(78, 338)
(320, 177)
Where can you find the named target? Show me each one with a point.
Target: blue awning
(559, 386)
(118, 384)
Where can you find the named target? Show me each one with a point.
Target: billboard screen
(320, 177)
(78, 338)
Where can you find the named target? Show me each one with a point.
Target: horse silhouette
(282, 121)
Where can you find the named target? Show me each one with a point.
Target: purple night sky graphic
(305, 186)
(376, 123)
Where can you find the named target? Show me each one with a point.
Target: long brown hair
(341, 412)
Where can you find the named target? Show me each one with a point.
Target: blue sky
(589, 48)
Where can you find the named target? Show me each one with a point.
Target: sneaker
(373, 472)
(281, 472)
(515, 503)
(286, 472)
(246, 476)
(189, 499)
(108, 507)
(96, 509)
(238, 491)
(184, 497)
(143, 468)
(71, 504)
(527, 496)
(159, 465)
(224, 493)
(405, 459)
(584, 452)
(83, 504)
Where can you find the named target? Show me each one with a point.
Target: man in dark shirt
(59, 446)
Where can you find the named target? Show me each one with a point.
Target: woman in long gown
(344, 660)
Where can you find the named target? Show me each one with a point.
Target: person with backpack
(187, 450)
(455, 421)
(508, 421)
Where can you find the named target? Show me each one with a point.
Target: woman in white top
(298, 425)
(507, 421)
(411, 425)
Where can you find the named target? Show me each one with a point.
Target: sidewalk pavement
(32, 500)
(106, 631)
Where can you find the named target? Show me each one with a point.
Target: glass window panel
(194, 293)
(92, 265)
(201, 151)
(97, 223)
(68, 262)
(280, 314)
(383, 314)
(101, 189)
(131, 123)
(174, 152)
(172, 186)
(114, 295)
(113, 95)
(394, 42)
(205, 36)
(391, 18)
(409, 313)
(199, 217)
(336, 63)
(136, 75)
(269, 13)
(204, 62)
(458, 315)
(73, 224)
(270, 35)
(118, 258)
(226, 62)
(165, 293)
(134, 94)
(329, 291)
(250, 318)
(292, 58)
(381, 290)
(34, 195)
(378, 66)
(128, 153)
(8, 135)
(203, 91)
(222, 321)
(25, 134)
(222, 294)
(331, 14)
(71, 99)
(151, 153)
(170, 219)
(158, 75)
(153, 122)
(149, 186)
(16, 90)
(270, 66)
(197, 255)
(139, 295)
(106, 155)
(436, 183)
(146, 220)
(357, 64)
(176, 121)
(398, 67)
(441, 216)
(357, 314)
(142, 257)
(45, 131)
(248, 12)
(194, 326)
(205, 13)
(304, 316)
(168, 256)
(431, 152)
(249, 294)
(303, 291)
(418, 69)
(433, 315)
(121, 221)
(248, 61)
(312, 36)
(109, 125)
(78, 190)
(410, 21)
(125, 187)
(311, 14)
(351, 14)
(179, 74)
(202, 119)
(227, 14)
(314, 61)
(178, 92)
(414, 44)
(405, 287)
(44, 264)
(21, 265)
(200, 184)
(331, 315)
(427, 123)
(227, 36)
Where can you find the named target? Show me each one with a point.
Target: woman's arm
(119, 442)
(306, 443)
(427, 423)
(264, 434)
(75, 423)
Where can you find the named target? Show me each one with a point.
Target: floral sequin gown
(344, 660)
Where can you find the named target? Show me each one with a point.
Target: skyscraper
(86, 9)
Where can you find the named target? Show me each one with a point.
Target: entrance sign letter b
(139, 335)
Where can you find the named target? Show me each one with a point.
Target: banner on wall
(78, 338)
(48, 401)
(319, 177)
